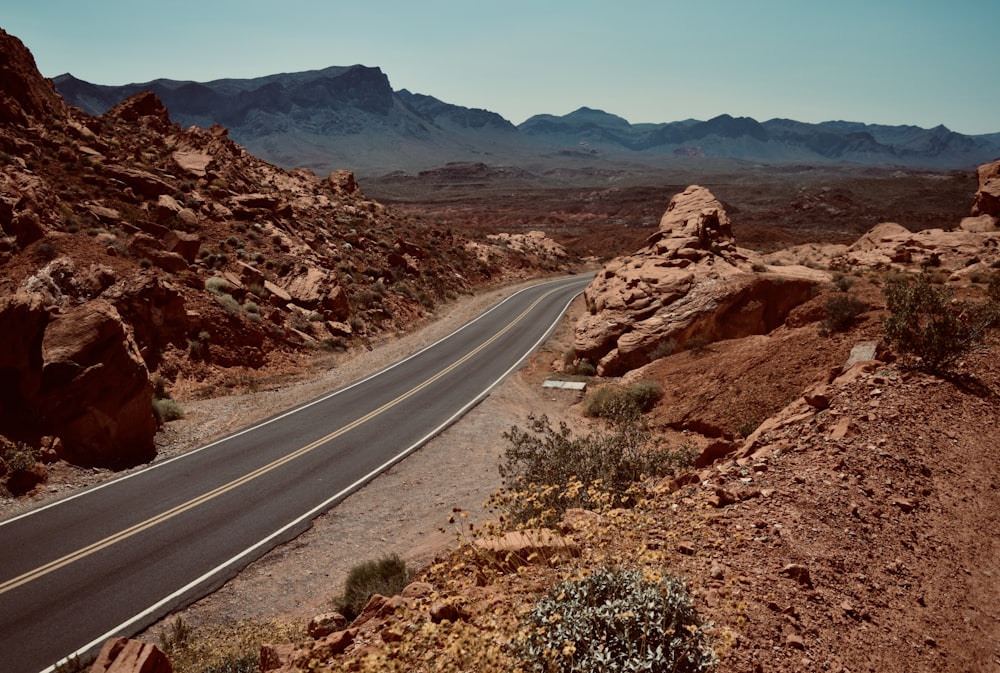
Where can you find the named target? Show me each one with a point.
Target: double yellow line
(79, 554)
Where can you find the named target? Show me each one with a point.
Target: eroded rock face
(75, 374)
(95, 391)
(689, 282)
(988, 196)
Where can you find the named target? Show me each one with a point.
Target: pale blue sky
(923, 62)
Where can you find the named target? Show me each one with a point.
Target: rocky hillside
(135, 253)
(350, 116)
(832, 519)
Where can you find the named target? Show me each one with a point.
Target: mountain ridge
(350, 116)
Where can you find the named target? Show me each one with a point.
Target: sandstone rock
(145, 183)
(417, 590)
(23, 480)
(795, 641)
(25, 93)
(343, 182)
(336, 642)
(123, 655)
(447, 609)
(817, 396)
(799, 573)
(95, 389)
(273, 657)
(845, 427)
(183, 244)
(520, 548)
(316, 289)
(193, 162)
(689, 282)
(988, 197)
(325, 624)
(715, 451)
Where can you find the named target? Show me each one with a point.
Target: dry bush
(616, 620)
(928, 322)
(540, 462)
(223, 649)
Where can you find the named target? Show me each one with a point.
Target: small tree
(927, 321)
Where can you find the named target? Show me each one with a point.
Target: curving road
(117, 557)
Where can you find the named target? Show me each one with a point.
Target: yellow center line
(93, 548)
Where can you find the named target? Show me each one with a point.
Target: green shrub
(19, 457)
(842, 281)
(611, 400)
(926, 321)
(387, 577)
(543, 459)
(229, 303)
(166, 410)
(841, 311)
(993, 288)
(217, 285)
(616, 620)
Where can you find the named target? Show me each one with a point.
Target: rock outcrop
(77, 374)
(988, 195)
(689, 284)
(123, 655)
(110, 228)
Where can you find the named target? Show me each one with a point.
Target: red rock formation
(689, 283)
(122, 655)
(988, 196)
(25, 94)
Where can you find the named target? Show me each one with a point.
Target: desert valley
(787, 413)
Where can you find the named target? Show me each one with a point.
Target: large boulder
(75, 374)
(95, 391)
(689, 283)
(988, 195)
(124, 655)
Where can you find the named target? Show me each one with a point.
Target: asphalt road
(117, 557)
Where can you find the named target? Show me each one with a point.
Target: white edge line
(273, 419)
(315, 511)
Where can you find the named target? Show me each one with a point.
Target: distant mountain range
(350, 117)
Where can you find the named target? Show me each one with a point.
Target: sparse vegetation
(841, 312)
(386, 576)
(166, 410)
(540, 461)
(616, 620)
(929, 323)
(610, 400)
(223, 649)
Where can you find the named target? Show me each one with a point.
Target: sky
(920, 62)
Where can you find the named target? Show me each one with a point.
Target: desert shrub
(47, 251)
(217, 285)
(841, 311)
(251, 307)
(228, 303)
(616, 620)
(993, 288)
(541, 461)
(19, 457)
(386, 576)
(223, 649)
(842, 281)
(166, 410)
(926, 321)
(611, 400)
(758, 267)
